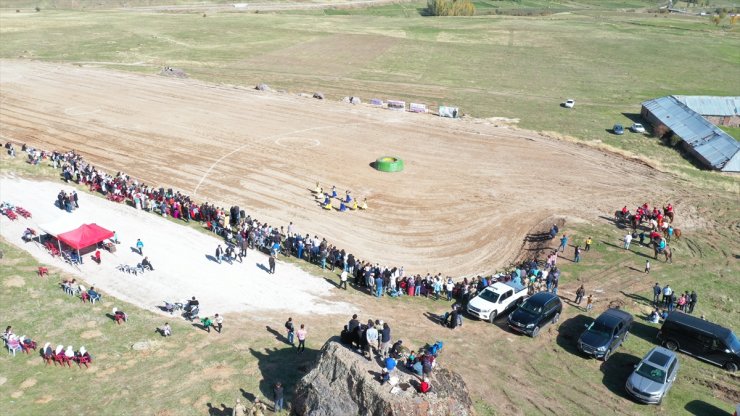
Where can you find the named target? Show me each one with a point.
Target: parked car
(653, 376)
(496, 299)
(605, 334)
(618, 129)
(637, 128)
(569, 103)
(703, 339)
(537, 311)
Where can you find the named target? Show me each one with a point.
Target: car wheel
(730, 366)
(608, 354)
(492, 317)
(671, 345)
(556, 318)
(535, 331)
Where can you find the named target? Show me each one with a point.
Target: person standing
(271, 261)
(378, 286)
(385, 340)
(693, 298)
(656, 293)
(449, 287)
(76, 199)
(647, 267)
(301, 333)
(563, 243)
(291, 331)
(578, 254)
(219, 321)
(589, 303)
(667, 293)
(140, 246)
(371, 339)
(219, 253)
(588, 244)
(239, 409)
(343, 279)
(579, 294)
(627, 241)
(278, 396)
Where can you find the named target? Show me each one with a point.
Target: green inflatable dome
(389, 164)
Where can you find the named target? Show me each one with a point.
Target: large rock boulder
(342, 382)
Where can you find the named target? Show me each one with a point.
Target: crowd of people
(375, 342)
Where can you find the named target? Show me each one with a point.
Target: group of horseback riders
(658, 221)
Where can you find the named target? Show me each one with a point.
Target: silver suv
(653, 376)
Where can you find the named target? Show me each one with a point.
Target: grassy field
(607, 58)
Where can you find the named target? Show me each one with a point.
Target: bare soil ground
(468, 196)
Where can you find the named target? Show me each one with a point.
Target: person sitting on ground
(166, 330)
(147, 264)
(364, 204)
(425, 387)
(259, 408)
(342, 207)
(354, 206)
(654, 316)
(119, 316)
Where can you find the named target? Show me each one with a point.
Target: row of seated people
(16, 343)
(71, 288)
(65, 356)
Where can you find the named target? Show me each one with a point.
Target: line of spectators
(240, 231)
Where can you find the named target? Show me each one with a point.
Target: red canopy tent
(85, 236)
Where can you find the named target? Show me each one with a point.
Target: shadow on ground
(616, 371)
(702, 408)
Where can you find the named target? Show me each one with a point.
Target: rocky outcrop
(342, 382)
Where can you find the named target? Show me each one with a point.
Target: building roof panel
(710, 105)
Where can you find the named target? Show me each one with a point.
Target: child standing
(647, 266)
(588, 244)
(589, 303)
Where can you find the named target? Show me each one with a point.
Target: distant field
(608, 61)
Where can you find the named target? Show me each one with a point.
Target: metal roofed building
(705, 141)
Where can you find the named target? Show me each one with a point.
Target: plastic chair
(14, 345)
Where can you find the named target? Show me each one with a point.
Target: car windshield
(648, 371)
(600, 329)
(489, 295)
(733, 343)
(529, 307)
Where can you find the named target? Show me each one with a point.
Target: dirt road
(469, 193)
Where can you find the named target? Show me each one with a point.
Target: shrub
(450, 8)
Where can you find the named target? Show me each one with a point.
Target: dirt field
(469, 194)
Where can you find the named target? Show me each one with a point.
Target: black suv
(702, 339)
(536, 312)
(605, 334)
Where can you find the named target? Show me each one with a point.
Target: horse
(668, 214)
(620, 218)
(676, 234)
(666, 251)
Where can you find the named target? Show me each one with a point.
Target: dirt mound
(343, 383)
(169, 71)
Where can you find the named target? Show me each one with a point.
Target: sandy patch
(3, 380)
(14, 281)
(44, 399)
(28, 383)
(180, 256)
(91, 334)
(16, 394)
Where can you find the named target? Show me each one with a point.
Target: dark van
(702, 339)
